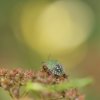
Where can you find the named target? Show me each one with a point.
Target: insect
(54, 67)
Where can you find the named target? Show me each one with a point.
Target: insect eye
(45, 67)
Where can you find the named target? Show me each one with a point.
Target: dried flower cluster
(13, 80)
(72, 94)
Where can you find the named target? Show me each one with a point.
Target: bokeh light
(60, 26)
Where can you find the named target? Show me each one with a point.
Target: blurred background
(65, 30)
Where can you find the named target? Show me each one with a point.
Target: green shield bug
(54, 67)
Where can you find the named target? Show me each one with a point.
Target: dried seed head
(3, 71)
(13, 80)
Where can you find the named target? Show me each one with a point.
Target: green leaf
(75, 83)
(34, 86)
